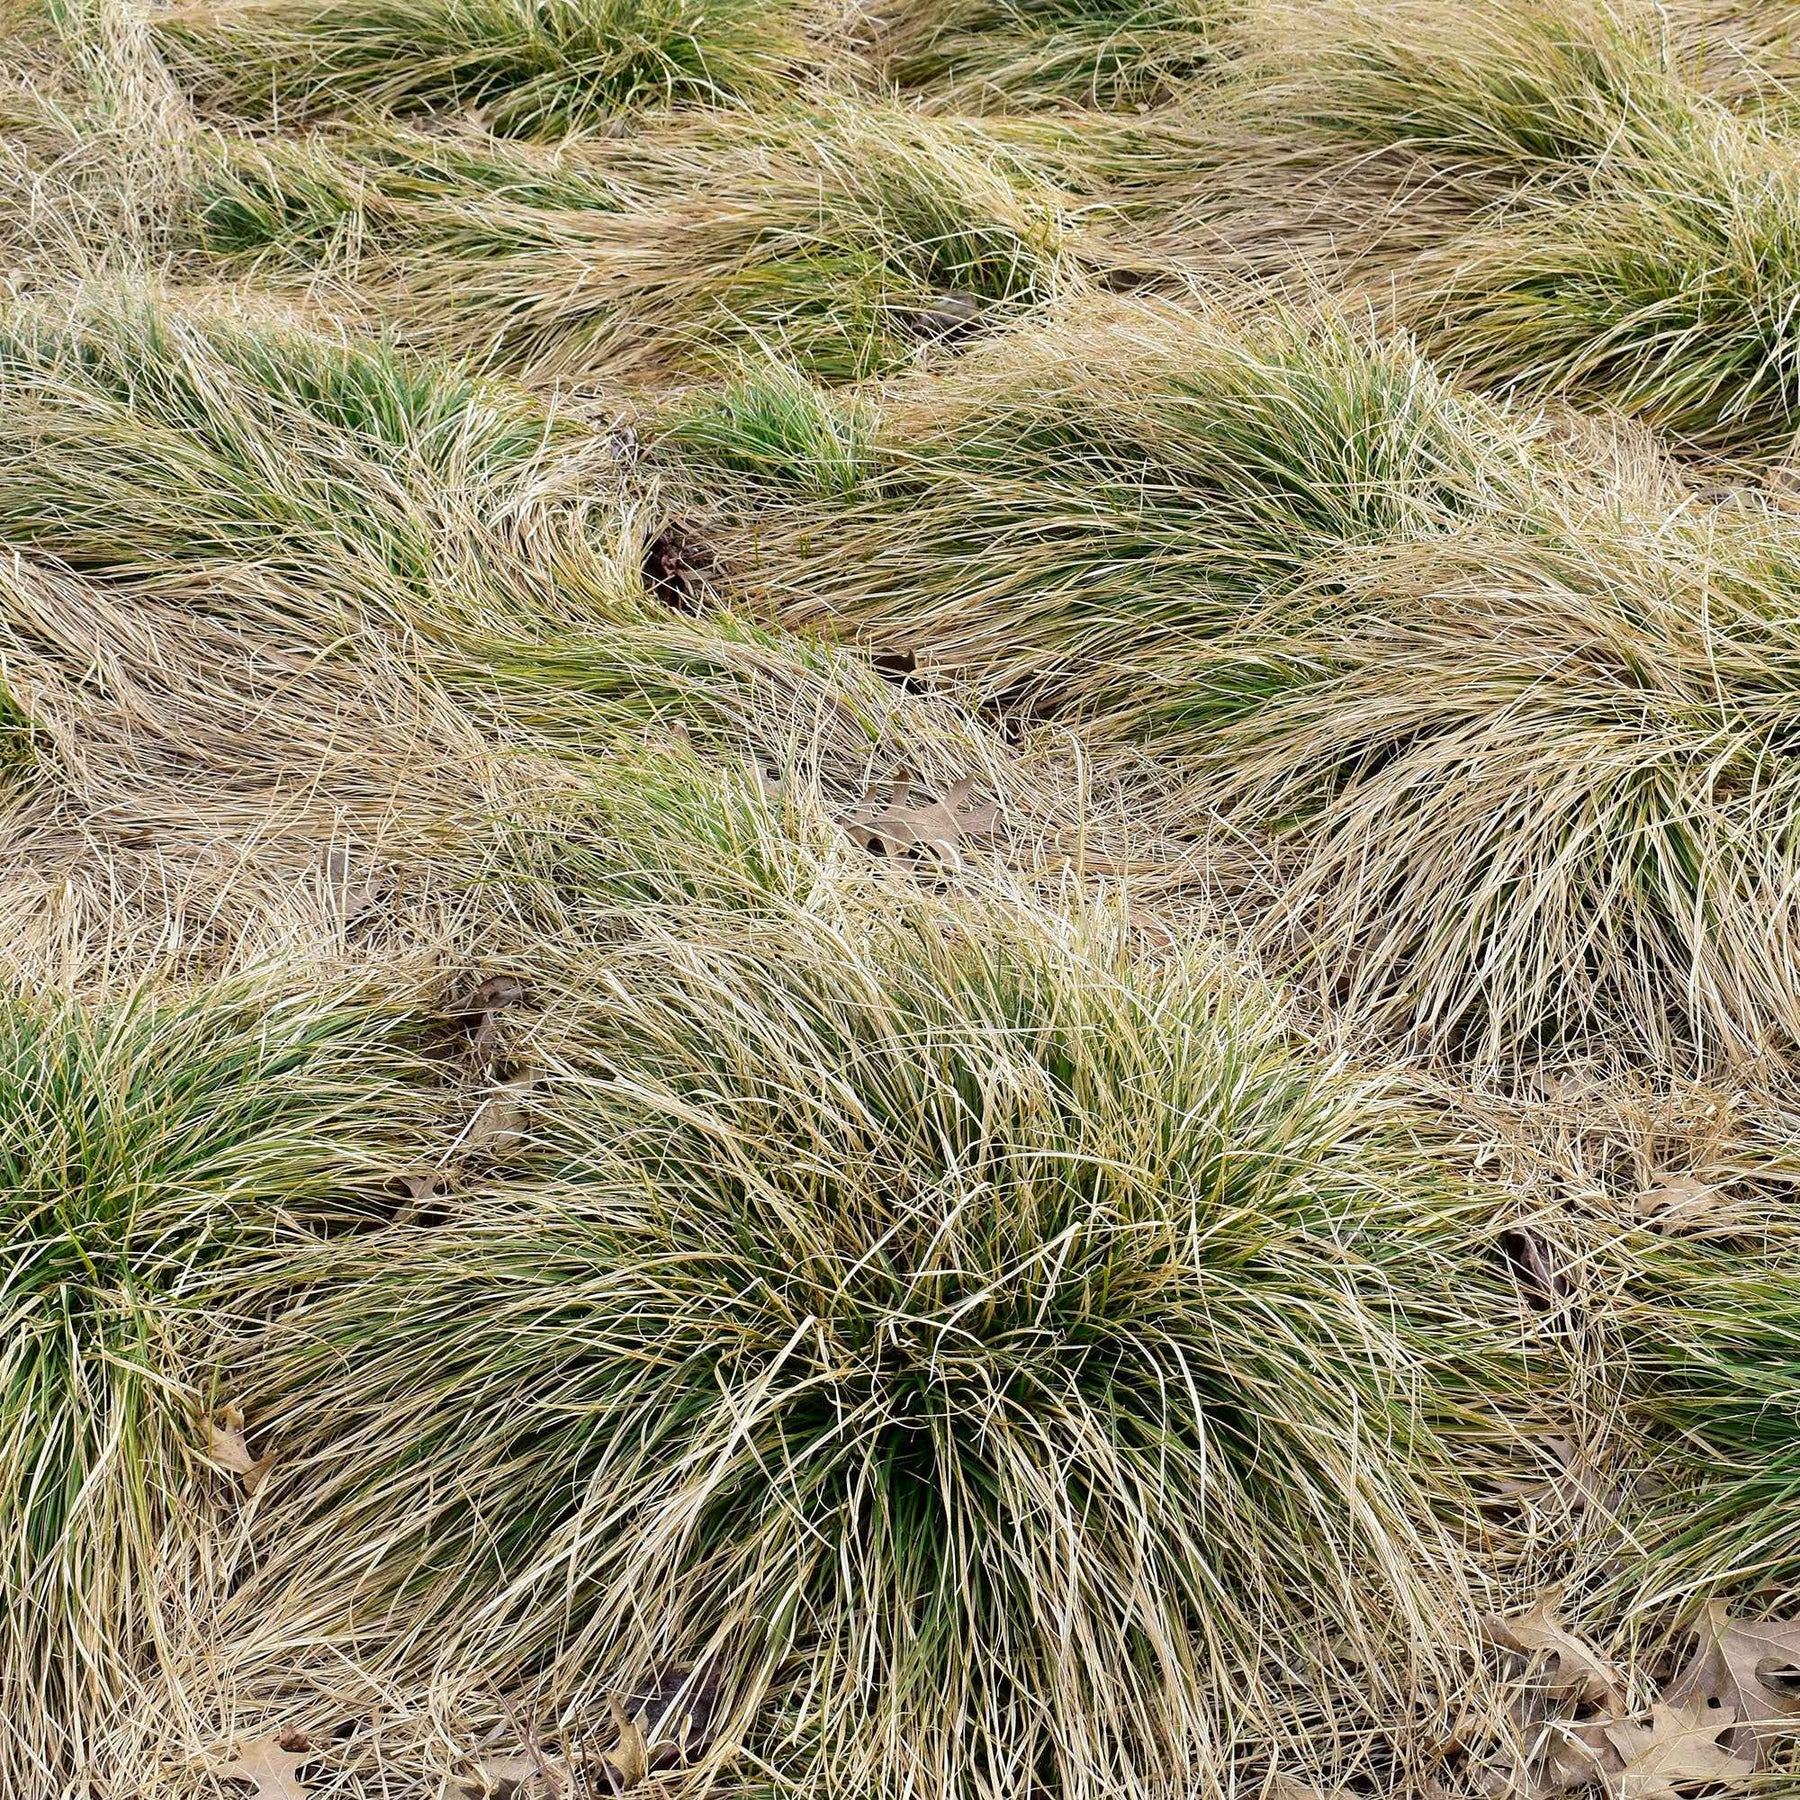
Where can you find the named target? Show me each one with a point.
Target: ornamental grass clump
(1635, 249)
(533, 68)
(151, 1149)
(1018, 55)
(1535, 791)
(990, 1362)
(350, 484)
(1068, 515)
(1670, 292)
(848, 235)
(1714, 1341)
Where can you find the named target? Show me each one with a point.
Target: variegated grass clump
(1714, 1346)
(1004, 55)
(1569, 198)
(351, 485)
(151, 1149)
(990, 1359)
(1069, 515)
(848, 236)
(1537, 792)
(532, 68)
(286, 606)
(1517, 735)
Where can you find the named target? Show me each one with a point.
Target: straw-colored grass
(910, 1312)
(910, 859)
(1022, 54)
(1537, 792)
(1069, 515)
(531, 68)
(1523, 736)
(150, 1150)
(837, 233)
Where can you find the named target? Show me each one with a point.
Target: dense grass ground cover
(899, 902)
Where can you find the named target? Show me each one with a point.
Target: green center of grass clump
(978, 1353)
(144, 1146)
(15, 735)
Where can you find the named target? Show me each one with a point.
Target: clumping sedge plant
(833, 232)
(1538, 790)
(15, 733)
(1669, 292)
(1009, 55)
(150, 1148)
(771, 422)
(991, 1362)
(353, 486)
(534, 68)
(1714, 1340)
(1071, 512)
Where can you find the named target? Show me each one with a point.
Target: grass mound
(1524, 740)
(916, 1317)
(292, 600)
(1537, 792)
(140, 439)
(150, 1148)
(1021, 54)
(533, 68)
(1070, 514)
(846, 236)
(822, 598)
(1714, 1347)
(1669, 293)
(1557, 195)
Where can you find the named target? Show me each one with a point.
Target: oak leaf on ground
(924, 827)
(1285, 1787)
(1571, 1666)
(232, 1453)
(1750, 1666)
(1579, 1754)
(1679, 1205)
(1576, 1484)
(1678, 1749)
(270, 1766)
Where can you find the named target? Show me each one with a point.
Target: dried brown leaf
(631, 1754)
(1750, 1667)
(1575, 1484)
(1285, 1787)
(1575, 1755)
(270, 1766)
(1679, 1205)
(1679, 1748)
(637, 1756)
(498, 1127)
(232, 1453)
(931, 827)
(495, 991)
(1535, 1266)
(1571, 1666)
(496, 1777)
